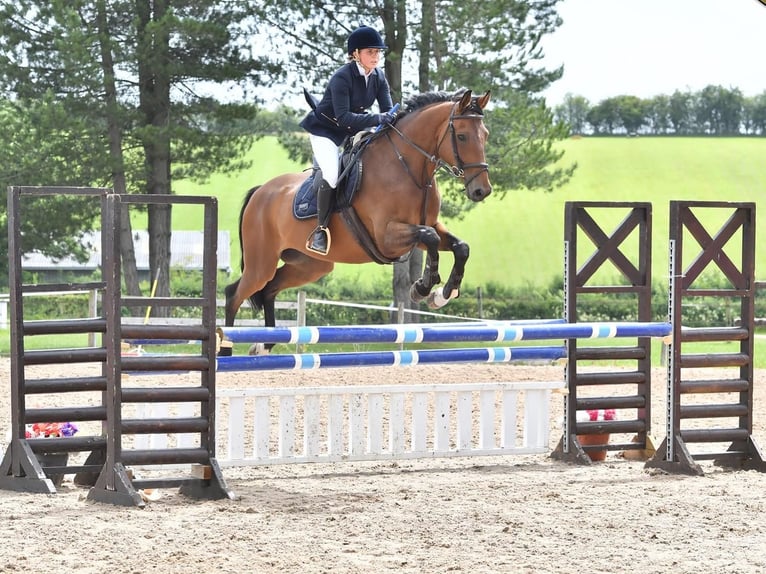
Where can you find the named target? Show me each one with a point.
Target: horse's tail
(256, 299)
(241, 217)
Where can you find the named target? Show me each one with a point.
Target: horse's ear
(483, 100)
(465, 101)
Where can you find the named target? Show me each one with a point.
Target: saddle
(350, 167)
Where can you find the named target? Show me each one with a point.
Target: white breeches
(326, 154)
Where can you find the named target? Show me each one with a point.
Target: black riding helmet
(365, 37)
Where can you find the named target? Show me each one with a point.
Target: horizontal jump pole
(245, 330)
(388, 358)
(500, 332)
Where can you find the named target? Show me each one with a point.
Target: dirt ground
(527, 514)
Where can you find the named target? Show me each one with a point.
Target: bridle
(458, 170)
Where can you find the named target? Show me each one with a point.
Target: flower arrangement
(594, 415)
(50, 430)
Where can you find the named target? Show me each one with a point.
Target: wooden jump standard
(24, 466)
(730, 399)
(589, 390)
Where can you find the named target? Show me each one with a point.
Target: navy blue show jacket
(344, 108)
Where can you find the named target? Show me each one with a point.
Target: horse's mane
(420, 101)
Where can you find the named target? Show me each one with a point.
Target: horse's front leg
(421, 289)
(433, 240)
(451, 289)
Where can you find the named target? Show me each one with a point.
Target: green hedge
(499, 302)
(496, 302)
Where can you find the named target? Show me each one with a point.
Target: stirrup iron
(312, 246)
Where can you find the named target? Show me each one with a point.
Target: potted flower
(594, 415)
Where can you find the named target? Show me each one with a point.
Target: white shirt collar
(365, 75)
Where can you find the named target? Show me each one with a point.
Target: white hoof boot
(437, 300)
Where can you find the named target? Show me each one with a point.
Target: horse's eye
(461, 137)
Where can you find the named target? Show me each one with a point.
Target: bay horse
(396, 208)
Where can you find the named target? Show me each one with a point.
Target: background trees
(140, 94)
(126, 82)
(155, 91)
(714, 110)
(441, 45)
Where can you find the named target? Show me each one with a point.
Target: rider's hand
(389, 117)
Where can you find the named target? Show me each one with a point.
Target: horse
(394, 210)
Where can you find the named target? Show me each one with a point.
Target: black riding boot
(319, 240)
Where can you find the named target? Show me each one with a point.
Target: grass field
(518, 240)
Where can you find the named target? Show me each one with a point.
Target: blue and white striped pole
(388, 358)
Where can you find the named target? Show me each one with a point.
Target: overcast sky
(649, 47)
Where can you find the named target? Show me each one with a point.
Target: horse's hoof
(415, 294)
(258, 349)
(437, 300)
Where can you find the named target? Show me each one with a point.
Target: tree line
(711, 111)
(140, 94)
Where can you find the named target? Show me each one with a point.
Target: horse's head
(468, 136)
(456, 126)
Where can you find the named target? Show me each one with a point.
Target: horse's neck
(427, 130)
(428, 126)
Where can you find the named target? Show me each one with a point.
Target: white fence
(296, 425)
(355, 423)
(364, 423)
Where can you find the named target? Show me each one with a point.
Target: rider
(342, 112)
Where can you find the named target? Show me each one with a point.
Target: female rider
(342, 112)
